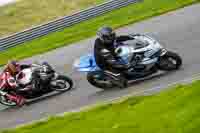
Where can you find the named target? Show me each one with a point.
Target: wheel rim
(62, 85)
(169, 63)
(172, 62)
(6, 101)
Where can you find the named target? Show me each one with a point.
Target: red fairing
(7, 81)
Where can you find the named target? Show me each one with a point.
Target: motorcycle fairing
(87, 63)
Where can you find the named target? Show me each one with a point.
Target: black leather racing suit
(105, 56)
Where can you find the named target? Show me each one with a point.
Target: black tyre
(100, 80)
(62, 83)
(5, 101)
(170, 61)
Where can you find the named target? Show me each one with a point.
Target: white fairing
(151, 48)
(153, 44)
(27, 76)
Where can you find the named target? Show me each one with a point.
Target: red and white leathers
(7, 81)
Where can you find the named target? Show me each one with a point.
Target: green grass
(27, 13)
(176, 110)
(117, 18)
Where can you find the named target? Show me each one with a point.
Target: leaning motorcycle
(42, 78)
(144, 54)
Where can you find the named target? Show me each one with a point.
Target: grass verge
(129, 14)
(173, 111)
(27, 13)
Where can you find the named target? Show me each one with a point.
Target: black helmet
(106, 34)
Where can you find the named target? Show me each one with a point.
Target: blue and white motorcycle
(145, 56)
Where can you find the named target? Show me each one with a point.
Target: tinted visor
(110, 37)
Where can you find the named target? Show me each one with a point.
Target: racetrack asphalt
(178, 31)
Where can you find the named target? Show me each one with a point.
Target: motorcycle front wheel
(100, 80)
(5, 101)
(62, 83)
(170, 61)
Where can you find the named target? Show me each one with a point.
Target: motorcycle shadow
(148, 78)
(44, 97)
(131, 83)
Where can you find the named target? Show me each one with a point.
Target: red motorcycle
(33, 82)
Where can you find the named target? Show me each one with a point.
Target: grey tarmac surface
(178, 31)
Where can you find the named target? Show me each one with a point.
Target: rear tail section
(86, 64)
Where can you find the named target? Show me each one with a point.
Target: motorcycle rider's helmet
(12, 67)
(106, 35)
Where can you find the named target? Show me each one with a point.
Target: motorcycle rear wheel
(100, 80)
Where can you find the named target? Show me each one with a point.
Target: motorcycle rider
(9, 78)
(104, 52)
